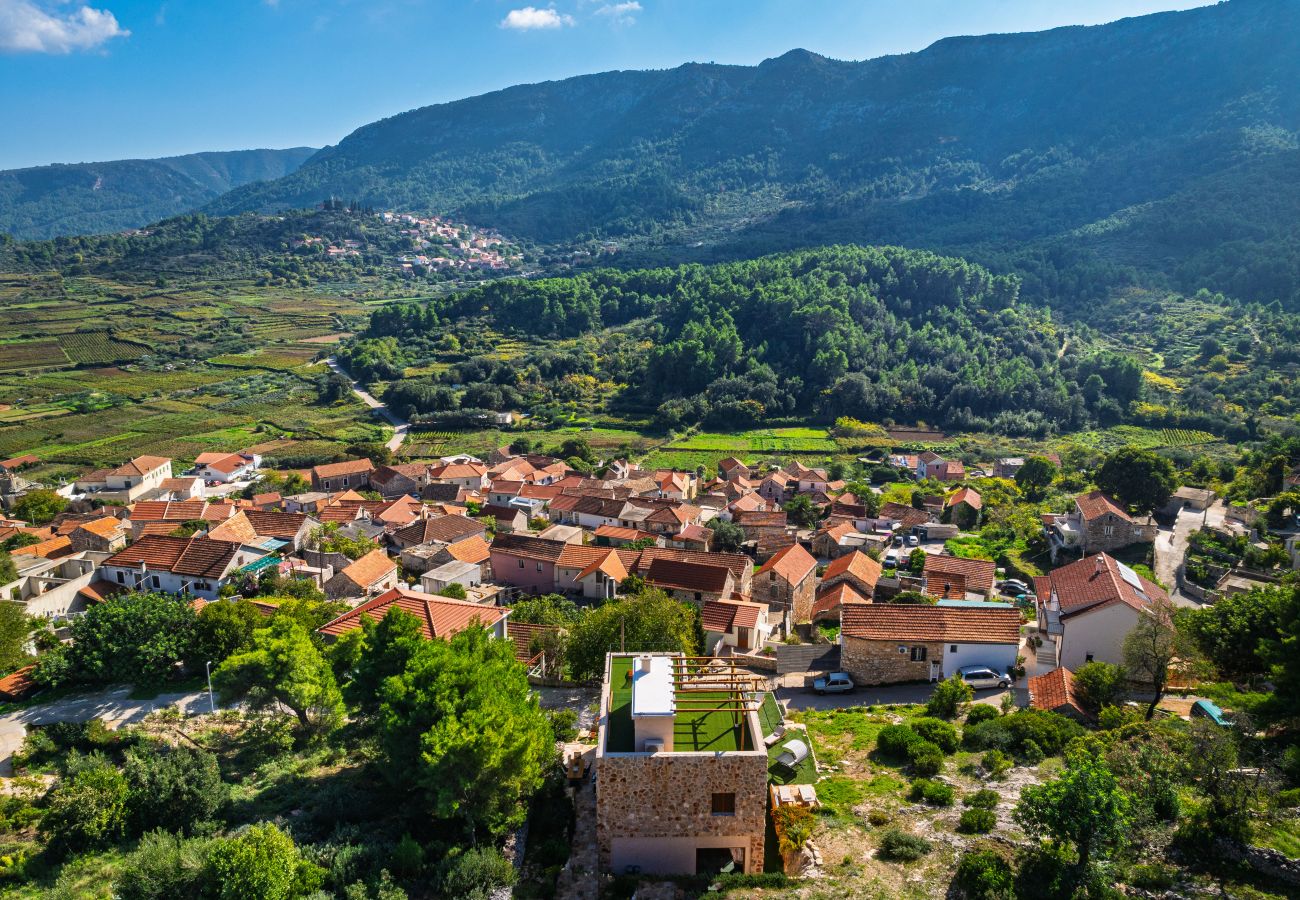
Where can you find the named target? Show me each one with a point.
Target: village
(684, 760)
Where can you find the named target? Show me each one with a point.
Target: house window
(952, 649)
(698, 597)
(771, 576)
(539, 567)
(345, 481)
(1110, 529)
(521, 563)
(724, 804)
(1088, 658)
(918, 654)
(153, 579)
(121, 578)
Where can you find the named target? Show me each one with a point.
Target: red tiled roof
(1054, 690)
(792, 563)
(272, 523)
(918, 622)
(141, 465)
(969, 496)
(100, 590)
(687, 576)
(737, 563)
(617, 532)
(609, 563)
(107, 527)
(1096, 504)
(167, 510)
(447, 529)
(347, 467)
(834, 598)
(440, 617)
(53, 548)
(978, 574)
(726, 615)
(758, 518)
(471, 550)
(521, 635)
(10, 465)
(370, 568)
(1097, 581)
(17, 684)
(522, 545)
(200, 557)
(907, 516)
(856, 564)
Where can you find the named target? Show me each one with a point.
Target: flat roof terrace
(704, 720)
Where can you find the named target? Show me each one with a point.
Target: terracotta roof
(18, 684)
(18, 462)
(200, 557)
(834, 597)
(167, 510)
(156, 528)
(749, 503)
(580, 556)
(179, 484)
(222, 462)
(471, 550)
(693, 532)
(100, 590)
(458, 470)
(726, 615)
(341, 513)
(370, 568)
(918, 622)
(276, 524)
(385, 474)
(1097, 581)
(440, 617)
(608, 564)
(236, 528)
(522, 545)
(687, 576)
(969, 496)
(737, 563)
(53, 548)
(1096, 504)
(107, 527)
(617, 532)
(347, 467)
(731, 463)
(907, 516)
(792, 563)
(1055, 690)
(271, 498)
(856, 564)
(500, 513)
(978, 574)
(946, 586)
(141, 465)
(756, 518)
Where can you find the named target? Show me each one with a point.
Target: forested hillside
(87, 198)
(871, 333)
(1132, 135)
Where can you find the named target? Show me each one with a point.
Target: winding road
(401, 427)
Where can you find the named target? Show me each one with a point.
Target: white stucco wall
(998, 657)
(1100, 632)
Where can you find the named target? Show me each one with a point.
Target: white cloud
(620, 13)
(26, 27)
(531, 18)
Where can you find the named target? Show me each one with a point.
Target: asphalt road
(800, 697)
(1171, 544)
(401, 427)
(114, 706)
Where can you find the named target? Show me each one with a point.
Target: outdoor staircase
(1046, 654)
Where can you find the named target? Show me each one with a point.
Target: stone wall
(805, 592)
(1123, 534)
(879, 662)
(668, 797)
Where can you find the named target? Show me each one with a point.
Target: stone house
(106, 535)
(368, 576)
(1098, 525)
(767, 530)
(352, 474)
(672, 796)
(856, 569)
(400, 480)
(964, 508)
(787, 583)
(891, 643)
(690, 581)
(737, 624)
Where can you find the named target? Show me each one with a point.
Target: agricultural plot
(98, 347)
(24, 355)
(770, 440)
(1144, 438)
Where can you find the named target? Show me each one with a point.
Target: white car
(834, 683)
(980, 677)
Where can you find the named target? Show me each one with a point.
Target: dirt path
(401, 427)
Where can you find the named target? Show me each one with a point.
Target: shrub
(1032, 753)
(1098, 684)
(87, 809)
(938, 732)
(408, 857)
(935, 793)
(564, 722)
(896, 740)
(475, 874)
(261, 863)
(1152, 876)
(1113, 717)
(948, 698)
(981, 712)
(985, 875)
(983, 799)
(163, 866)
(878, 817)
(1050, 731)
(977, 821)
(996, 763)
(1289, 799)
(926, 758)
(173, 789)
(903, 847)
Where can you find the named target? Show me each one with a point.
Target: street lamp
(212, 704)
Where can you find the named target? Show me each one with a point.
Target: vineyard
(31, 354)
(98, 347)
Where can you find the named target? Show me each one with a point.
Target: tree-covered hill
(86, 198)
(975, 142)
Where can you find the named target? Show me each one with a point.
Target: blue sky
(111, 79)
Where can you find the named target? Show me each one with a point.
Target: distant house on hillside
(1097, 524)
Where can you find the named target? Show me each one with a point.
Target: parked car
(1013, 586)
(891, 559)
(834, 683)
(913, 540)
(980, 677)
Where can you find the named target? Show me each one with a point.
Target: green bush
(1289, 799)
(985, 875)
(981, 712)
(1032, 753)
(87, 809)
(938, 732)
(977, 821)
(903, 847)
(1012, 733)
(1152, 876)
(564, 722)
(878, 817)
(475, 874)
(173, 788)
(408, 857)
(982, 799)
(926, 758)
(949, 697)
(935, 793)
(261, 863)
(163, 866)
(896, 740)
(997, 764)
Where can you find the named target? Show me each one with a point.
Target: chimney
(1100, 566)
(644, 663)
